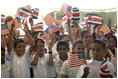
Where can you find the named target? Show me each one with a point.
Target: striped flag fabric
(94, 19)
(35, 13)
(21, 37)
(53, 28)
(38, 27)
(84, 21)
(66, 9)
(75, 14)
(104, 28)
(64, 19)
(103, 71)
(46, 37)
(76, 59)
(48, 19)
(4, 28)
(23, 13)
(17, 25)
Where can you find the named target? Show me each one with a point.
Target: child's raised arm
(31, 43)
(10, 40)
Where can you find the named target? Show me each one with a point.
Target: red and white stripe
(74, 61)
(48, 19)
(38, 27)
(17, 25)
(105, 29)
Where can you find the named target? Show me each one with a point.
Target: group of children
(80, 54)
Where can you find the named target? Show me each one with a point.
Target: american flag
(48, 19)
(76, 59)
(94, 19)
(105, 29)
(4, 28)
(103, 71)
(53, 28)
(46, 37)
(66, 9)
(17, 25)
(38, 27)
(35, 13)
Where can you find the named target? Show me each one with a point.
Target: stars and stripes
(35, 13)
(48, 19)
(66, 9)
(46, 37)
(17, 25)
(74, 59)
(38, 27)
(104, 28)
(53, 28)
(103, 71)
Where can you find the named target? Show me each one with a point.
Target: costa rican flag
(64, 19)
(75, 14)
(76, 59)
(35, 13)
(66, 9)
(17, 25)
(2, 19)
(21, 37)
(94, 19)
(84, 21)
(53, 28)
(48, 19)
(38, 27)
(104, 28)
(23, 13)
(103, 71)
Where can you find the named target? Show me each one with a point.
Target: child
(5, 66)
(96, 68)
(71, 66)
(62, 49)
(87, 39)
(41, 61)
(20, 57)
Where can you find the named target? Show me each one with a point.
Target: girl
(71, 66)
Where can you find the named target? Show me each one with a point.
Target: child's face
(62, 50)
(79, 47)
(98, 51)
(53, 36)
(97, 30)
(20, 48)
(112, 42)
(87, 39)
(2, 57)
(41, 47)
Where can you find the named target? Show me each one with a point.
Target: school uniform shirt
(58, 65)
(94, 69)
(21, 65)
(71, 72)
(6, 70)
(41, 70)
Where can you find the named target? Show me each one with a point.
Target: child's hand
(25, 28)
(13, 25)
(50, 46)
(31, 21)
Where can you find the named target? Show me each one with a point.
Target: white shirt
(58, 64)
(41, 70)
(71, 72)
(94, 69)
(6, 70)
(20, 65)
